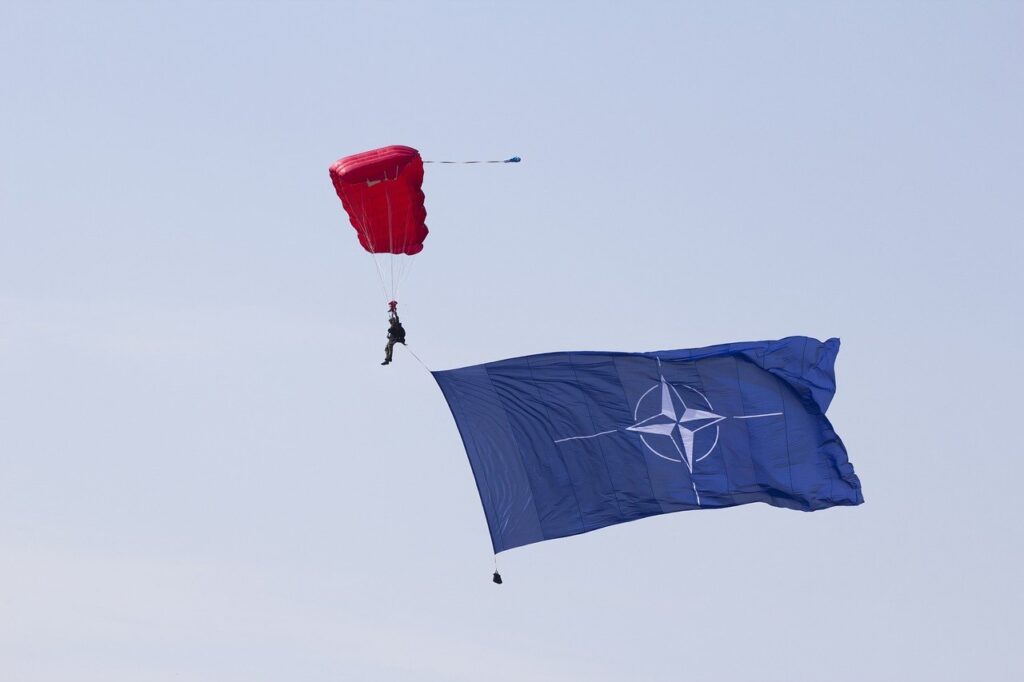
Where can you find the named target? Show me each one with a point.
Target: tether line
(513, 159)
(417, 357)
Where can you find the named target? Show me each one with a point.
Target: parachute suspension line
(380, 270)
(373, 249)
(399, 273)
(404, 269)
(377, 265)
(380, 276)
(403, 264)
(513, 159)
(391, 242)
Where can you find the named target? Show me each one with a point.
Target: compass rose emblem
(676, 422)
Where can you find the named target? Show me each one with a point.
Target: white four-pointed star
(666, 423)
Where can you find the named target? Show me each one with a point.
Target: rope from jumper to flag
(514, 159)
(417, 357)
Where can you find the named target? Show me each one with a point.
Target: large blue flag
(564, 443)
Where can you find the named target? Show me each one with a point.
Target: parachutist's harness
(396, 332)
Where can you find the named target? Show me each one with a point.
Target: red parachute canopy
(381, 191)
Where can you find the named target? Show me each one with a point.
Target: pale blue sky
(206, 475)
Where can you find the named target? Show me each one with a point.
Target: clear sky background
(206, 475)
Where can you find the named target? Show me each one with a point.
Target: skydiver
(396, 334)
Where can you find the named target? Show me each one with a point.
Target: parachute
(381, 191)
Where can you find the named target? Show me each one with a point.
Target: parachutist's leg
(389, 349)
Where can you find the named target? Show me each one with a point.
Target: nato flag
(565, 443)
